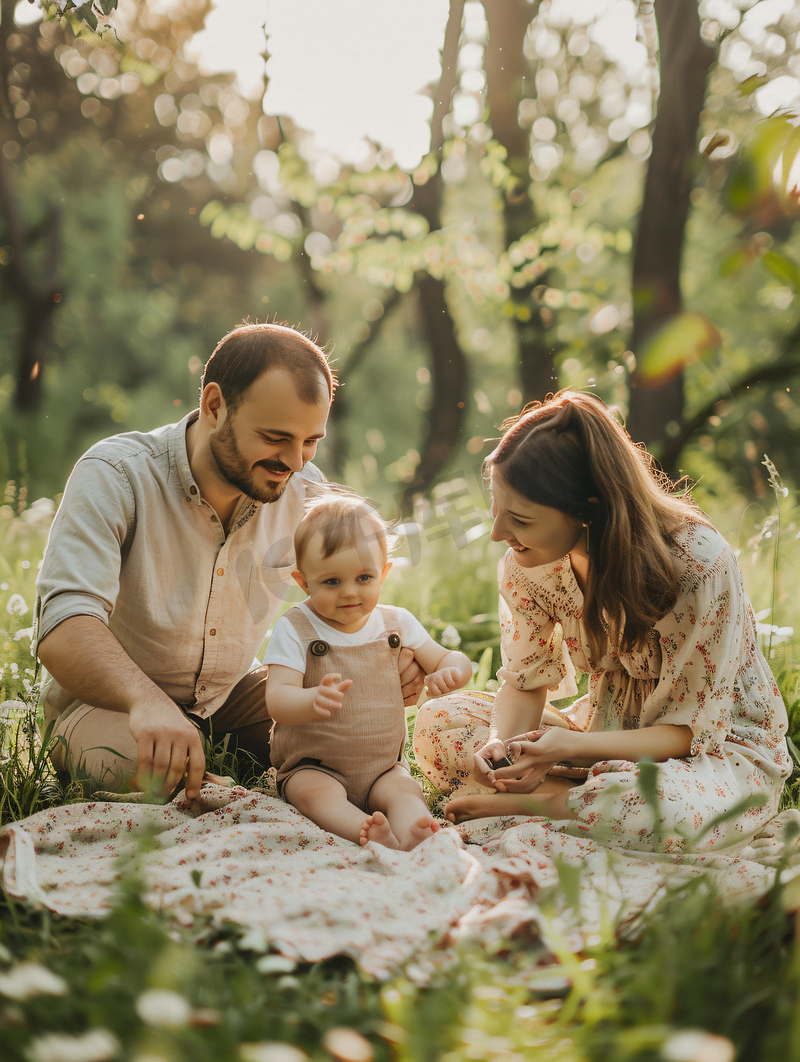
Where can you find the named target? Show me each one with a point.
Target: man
(167, 561)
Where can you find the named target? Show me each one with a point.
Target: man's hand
(85, 658)
(329, 695)
(412, 677)
(167, 746)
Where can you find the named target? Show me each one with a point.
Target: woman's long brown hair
(571, 453)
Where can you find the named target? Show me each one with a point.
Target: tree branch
(761, 374)
(447, 82)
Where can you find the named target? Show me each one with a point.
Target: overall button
(213, 631)
(220, 571)
(318, 648)
(394, 641)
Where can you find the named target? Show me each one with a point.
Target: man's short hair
(250, 350)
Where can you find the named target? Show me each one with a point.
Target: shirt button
(202, 689)
(213, 631)
(220, 571)
(213, 519)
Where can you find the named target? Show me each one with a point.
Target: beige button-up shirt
(134, 544)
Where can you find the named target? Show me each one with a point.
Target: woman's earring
(587, 526)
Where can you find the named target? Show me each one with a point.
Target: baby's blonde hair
(340, 517)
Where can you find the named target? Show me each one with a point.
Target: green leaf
(147, 73)
(790, 150)
(750, 85)
(752, 179)
(787, 271)
(734, 263)
(683, 339)
(210, 212)
(87, 15)
(484, 672)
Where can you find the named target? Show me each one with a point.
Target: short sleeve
(81, 567)
(703, 642)
(531, 641)
(285, 647)
(412, 634)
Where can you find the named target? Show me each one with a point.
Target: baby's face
(344, 588)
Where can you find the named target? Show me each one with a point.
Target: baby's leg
(398, 795)
(323, 799)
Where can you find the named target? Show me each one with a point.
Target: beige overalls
(365, 737)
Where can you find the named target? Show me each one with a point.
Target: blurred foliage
(180, 209)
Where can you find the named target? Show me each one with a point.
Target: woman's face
(536, 533)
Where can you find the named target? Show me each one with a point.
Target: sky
(358, 75)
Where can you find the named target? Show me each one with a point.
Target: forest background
(619, 221)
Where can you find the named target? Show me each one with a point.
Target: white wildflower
(450, 638)
(13, 710)
(94, 1046)
(16, 605)
(29, 979)
(40, 513)
(696, 1045)
(274, 1051)
(26, 632)
(255, 939)
(275, 964)
(163, 1008)
(347, 1045)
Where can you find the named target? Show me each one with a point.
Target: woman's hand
(532, 756)
(484, 760)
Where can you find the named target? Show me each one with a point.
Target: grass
(703, 983)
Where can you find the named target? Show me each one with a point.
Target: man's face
(270, 435)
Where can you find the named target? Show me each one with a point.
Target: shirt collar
(179, 458)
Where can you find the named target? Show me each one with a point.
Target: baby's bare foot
(376, 828)
(421, 830)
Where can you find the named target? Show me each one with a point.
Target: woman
(611, 573)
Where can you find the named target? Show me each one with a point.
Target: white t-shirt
(288, 649)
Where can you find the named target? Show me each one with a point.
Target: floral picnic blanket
(248, 858)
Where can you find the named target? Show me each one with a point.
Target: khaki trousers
(95, 745)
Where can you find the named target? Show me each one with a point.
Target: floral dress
(701, 667)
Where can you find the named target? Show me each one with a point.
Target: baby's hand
(445, 681)
(329, 695)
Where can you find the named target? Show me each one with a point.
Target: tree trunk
(449, 388)
(507, 72)
(448, 364)
(37, 301)
(684, 61)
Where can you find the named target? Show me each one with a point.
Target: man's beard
(235, 470)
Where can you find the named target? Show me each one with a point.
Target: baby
(337, 742)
